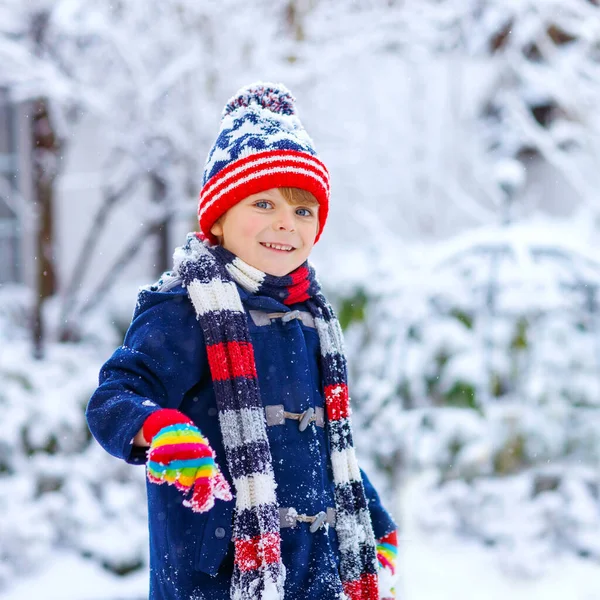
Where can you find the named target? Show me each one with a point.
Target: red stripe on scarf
(298, 290)
(337, 401)
(231, 359)
(364, 588)
(261, 550)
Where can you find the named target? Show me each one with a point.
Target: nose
(285, 221)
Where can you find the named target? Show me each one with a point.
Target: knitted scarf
(210, 275)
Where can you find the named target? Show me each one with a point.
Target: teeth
(278, 247)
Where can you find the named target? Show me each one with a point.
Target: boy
(233, 371)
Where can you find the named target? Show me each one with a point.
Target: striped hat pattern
(261, 145)
(210, 275)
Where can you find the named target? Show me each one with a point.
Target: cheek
(251, 226)
(309, 233)
(242, 229)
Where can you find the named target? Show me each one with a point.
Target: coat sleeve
(163, 355)
(382, 521)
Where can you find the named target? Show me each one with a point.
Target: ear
(217, 228)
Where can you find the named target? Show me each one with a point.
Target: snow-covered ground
(69, 577)
(443, 568)
(433, 568)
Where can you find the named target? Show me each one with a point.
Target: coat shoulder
(167, 289)
(167, 282)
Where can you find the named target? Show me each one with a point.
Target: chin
(276, 273)
(279, 271)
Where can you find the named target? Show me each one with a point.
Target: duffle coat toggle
(262, 318)
(289, 517)
(276, 415)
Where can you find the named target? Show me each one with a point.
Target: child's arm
(162, 357)
(139, 439)
(382, 521)
(141, 386)
(386, 535)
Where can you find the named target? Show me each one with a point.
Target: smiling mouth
(281, 248)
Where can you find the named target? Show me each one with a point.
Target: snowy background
(462, 255)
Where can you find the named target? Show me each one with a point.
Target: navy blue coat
(163, 363)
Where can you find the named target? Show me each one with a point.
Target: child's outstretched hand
(387, 553)
(180, 455)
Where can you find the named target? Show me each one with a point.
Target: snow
(70, 577)
(434, 567)
(441, 567)
(463, 140)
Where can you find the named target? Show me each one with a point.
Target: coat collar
(257, 302)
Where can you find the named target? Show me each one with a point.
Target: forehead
(273, 193)
(276, 195)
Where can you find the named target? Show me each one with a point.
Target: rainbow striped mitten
(387, 554)
(180, 455)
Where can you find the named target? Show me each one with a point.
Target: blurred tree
(46, 158)
(24, 37)
(542, 98)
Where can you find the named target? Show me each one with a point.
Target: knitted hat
(261, 145)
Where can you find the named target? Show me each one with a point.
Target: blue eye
(304, 212)
(262, 204)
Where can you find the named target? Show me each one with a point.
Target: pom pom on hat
(271, 96)
(261, 145)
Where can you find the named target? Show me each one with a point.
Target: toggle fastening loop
(293, 314)
(306, 417)
(320, 518)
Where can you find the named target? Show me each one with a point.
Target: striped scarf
(210, 275)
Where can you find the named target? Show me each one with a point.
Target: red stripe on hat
(298, 290)
(364, 588)
(231, 359)
(337, 401)
(259, 551)
(256, 162)
(282, 170)
(281, 166)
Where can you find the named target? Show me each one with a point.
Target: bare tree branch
(91, 241)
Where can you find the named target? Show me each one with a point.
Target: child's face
(267, 218)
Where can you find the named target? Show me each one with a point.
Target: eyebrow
(264, 194)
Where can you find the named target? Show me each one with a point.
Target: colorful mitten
(387, 553)
(180, 455)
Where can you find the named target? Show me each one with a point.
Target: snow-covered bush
(485, 367)
(58, 488)
(531, 518)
